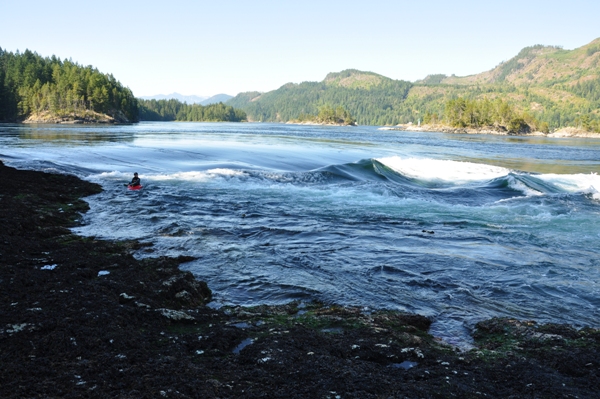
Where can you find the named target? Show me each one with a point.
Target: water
(457, 227)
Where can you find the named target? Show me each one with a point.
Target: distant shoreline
(561, 133)
(308, 123)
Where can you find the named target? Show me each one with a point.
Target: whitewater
(459, 228)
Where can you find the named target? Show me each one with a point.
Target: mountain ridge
(540, 64)
(217, 98)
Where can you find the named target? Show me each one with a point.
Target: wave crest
(444, 171)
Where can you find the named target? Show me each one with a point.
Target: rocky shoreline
(81, 317)
(564, 132)
(83, 117)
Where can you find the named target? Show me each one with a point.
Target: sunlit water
(457, 227)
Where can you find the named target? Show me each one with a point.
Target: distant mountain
(180, 97)
(368, 97)
(549, 84)
(218, 98)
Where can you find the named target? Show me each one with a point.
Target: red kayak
(134, 188)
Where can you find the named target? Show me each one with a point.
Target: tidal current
(460, 228)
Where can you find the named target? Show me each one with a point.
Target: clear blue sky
(210, 47)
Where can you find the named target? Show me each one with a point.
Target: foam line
(179, 176)
(579, 183)
(443, 170)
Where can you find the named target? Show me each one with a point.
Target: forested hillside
(175, 110)
(368, 97)
(53, 88)
(547, 87)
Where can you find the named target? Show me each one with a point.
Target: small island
(327, 116)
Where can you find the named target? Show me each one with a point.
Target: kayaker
(135, 181)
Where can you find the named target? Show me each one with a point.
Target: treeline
(329, 115)
(494, 114)
(175, 110)
(30, 83)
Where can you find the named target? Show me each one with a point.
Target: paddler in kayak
(135, 182)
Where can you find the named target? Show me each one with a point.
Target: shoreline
(82, 317)
(561, 133)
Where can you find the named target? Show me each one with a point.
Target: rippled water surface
(456, 227)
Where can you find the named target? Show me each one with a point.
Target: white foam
(443, 170)
(520, 186)
(225, 172)
(198, 176)
(579, 183)
(195, 176)
(111, 175)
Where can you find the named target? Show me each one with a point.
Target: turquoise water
(456, 227)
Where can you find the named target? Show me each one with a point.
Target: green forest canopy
(175, 110)
(496, 114)
(329, 116)
(30, 83)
